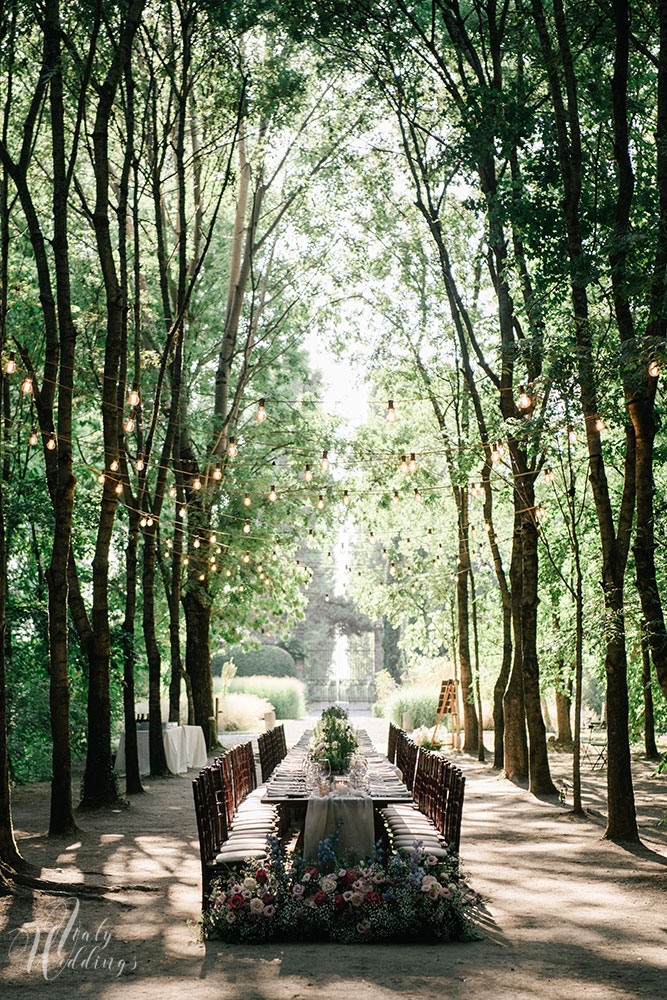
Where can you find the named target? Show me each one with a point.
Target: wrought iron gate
(329, 679)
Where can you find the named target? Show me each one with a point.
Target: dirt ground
(566, 914)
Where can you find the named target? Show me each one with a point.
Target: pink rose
(347, 895)
(236, 901)
(269, 911)
(298, 889)
(230, 917)
(431, 860)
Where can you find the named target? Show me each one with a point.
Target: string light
(549, 475)
(418, 496)
(172, 492)
(182, 512)
(33, 437)
(525, 402)
(273, 496)
(133, 398)
(10, 367)
(196, 483)
(539, 510)
(232, 449)
(324, 461)
(599, 424)
(653, 368)
(213, 539)
(143, 522)
(217, 473)
(129, 424)
(571, 434)
(26, 385)
(308, 475)
(119, 488)
(201, 577)
(326, 598)
(391, 412)
(246, 557)
(141, 465)
(197, 543)
(495, 453)
(372, 537)
(404, 463)
(101, 477)
(320, 502)
(246, 528)
(392, 569)
(346, 499)
(394, 499)
(150, 522)
(51, 443)
(186, 560)
(246, 500)
(261, 410)
(412, 464)
(114, 465)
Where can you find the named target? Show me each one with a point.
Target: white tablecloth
(357, 833)
(184, 747)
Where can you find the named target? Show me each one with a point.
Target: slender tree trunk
(198, 659)
(516, 742)
(470, 725)
(155, 737)
(478, 692)
(133, 784)
(649, 724)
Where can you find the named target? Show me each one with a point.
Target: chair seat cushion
(233, 857)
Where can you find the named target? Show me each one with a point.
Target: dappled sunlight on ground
(564, 914)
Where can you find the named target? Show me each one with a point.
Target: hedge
(267, 661)
(421, 704)
(286, 694)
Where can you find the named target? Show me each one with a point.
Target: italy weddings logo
(65, 943)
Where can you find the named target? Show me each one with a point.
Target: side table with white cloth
(184, 747)
(356, 836)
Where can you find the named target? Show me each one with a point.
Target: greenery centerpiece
(334, 739)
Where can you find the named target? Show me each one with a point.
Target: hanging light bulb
(320, 502)
(261, 411)
(182, 512)
(213, 539)
(653, 368)
(392, 569)
(308, 475)
(119, 488)
(114, 465)
(129, 424)
(211, 559)
(168, 543)
(143, 522)
(408, 544)
(33, 439)
(539, 510)
(276, 547)
(384, 553)
(197, 543)
(217, 473)
(141, 465)
(273, 496)
(487, 526)
(525, 402)
(571, 434)
(186, 561)
(26, 385)
(495, 454)
(196, 483)
(246, 528)
(246, 500)
(418, 496)
(172, 492)
(391, 412)
(51, 443)
(404, 463)
(394, 499)
(232, 449)
(201, 577)
(214, 568)
(549, 475)
(599, 424)
(346, 498)
(218, 550)
(501, 449)
(412, 464)
(100, 478)
(150, 522)
(133, 398)
(372, 536)
(228, 572)
(10, 367)
(324, 461)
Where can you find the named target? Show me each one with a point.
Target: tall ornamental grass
(286, 694)
(421, 704)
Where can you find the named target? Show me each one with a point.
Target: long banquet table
(349, 812)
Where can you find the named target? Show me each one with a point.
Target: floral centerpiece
(334, 739)
(413, 895)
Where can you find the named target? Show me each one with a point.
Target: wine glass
(324, 775)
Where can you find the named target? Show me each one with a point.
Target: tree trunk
(155, 737)
(516, 743)
(563, 709)
(649, 724)
(133, 784)
(198, 657)
(538, 761)
(500, 686)
(470, 735)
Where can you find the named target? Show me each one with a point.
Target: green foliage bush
(421, 704)
(267, 661)
(286, 694)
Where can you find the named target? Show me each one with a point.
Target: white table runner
(357, 833)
